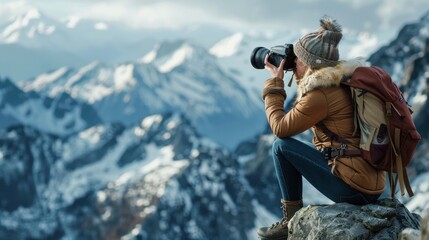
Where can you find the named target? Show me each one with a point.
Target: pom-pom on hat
(320, 48)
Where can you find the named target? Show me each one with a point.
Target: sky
(382, 17)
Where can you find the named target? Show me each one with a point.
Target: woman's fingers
(275, 71)
(282, 64)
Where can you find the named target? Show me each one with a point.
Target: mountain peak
(169, 55)
(228, 46)
(30, 15)
(162, 49)
(177, 58)
(29, 24)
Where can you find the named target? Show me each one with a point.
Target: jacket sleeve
(309, 110)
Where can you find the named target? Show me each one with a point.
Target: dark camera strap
(290, 80)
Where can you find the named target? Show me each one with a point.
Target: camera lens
(276, 55)
(257, 58)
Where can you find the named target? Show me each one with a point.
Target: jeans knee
(281, 144)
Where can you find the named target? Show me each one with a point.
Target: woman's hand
(274, 71)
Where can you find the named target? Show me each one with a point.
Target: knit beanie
(320, 48)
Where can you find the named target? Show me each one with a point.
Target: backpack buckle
(329, 153)
(326, 153)
(342, 149)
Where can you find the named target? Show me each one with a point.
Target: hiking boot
(279, 230)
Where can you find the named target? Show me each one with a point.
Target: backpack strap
(355, 118)
(332, 136)
(401, 171)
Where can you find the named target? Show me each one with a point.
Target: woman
(326, 107)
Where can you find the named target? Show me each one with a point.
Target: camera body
(275, 55)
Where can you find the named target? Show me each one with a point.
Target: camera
(275, 55)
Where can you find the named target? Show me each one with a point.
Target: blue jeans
(294, 159)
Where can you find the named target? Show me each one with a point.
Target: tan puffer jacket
(320, 98)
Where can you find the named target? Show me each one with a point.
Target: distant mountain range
(60, 115)
(407, 59)
(179, 77)
(32, 43)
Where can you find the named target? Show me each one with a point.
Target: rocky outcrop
(385, 219)
(425, 227)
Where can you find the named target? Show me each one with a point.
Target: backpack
(388, 136)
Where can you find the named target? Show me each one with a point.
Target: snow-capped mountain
(59, 115)
(175, 76)
(36, 30)
(156, 180)
(406, 59)
(27, 27)
(33, 43)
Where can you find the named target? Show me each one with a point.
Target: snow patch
(31, 113)
(44, 79)
(12, 38)
(123, 77)
(151, 120)
(31, 14)
(228, 46)
(92, 135)
(149, 57)
(178, 58)
(420, 202)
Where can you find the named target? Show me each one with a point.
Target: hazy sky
(383, 17)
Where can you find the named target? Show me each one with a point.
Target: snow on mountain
(33, 30)
(177, 59)
(36, 43)
(406, 59)
(58, 115)
(12, 33)
(228, 46)
(419, 203)
(36, 30)
(180, 76)
(158, 180)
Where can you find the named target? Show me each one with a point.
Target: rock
(409, 234)
(425, 227)
(384, 219)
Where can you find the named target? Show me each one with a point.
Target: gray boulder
(425, 227)
(384, 219)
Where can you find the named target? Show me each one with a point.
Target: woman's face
(300, 69)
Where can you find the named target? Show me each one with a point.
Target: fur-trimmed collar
(327, 77)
